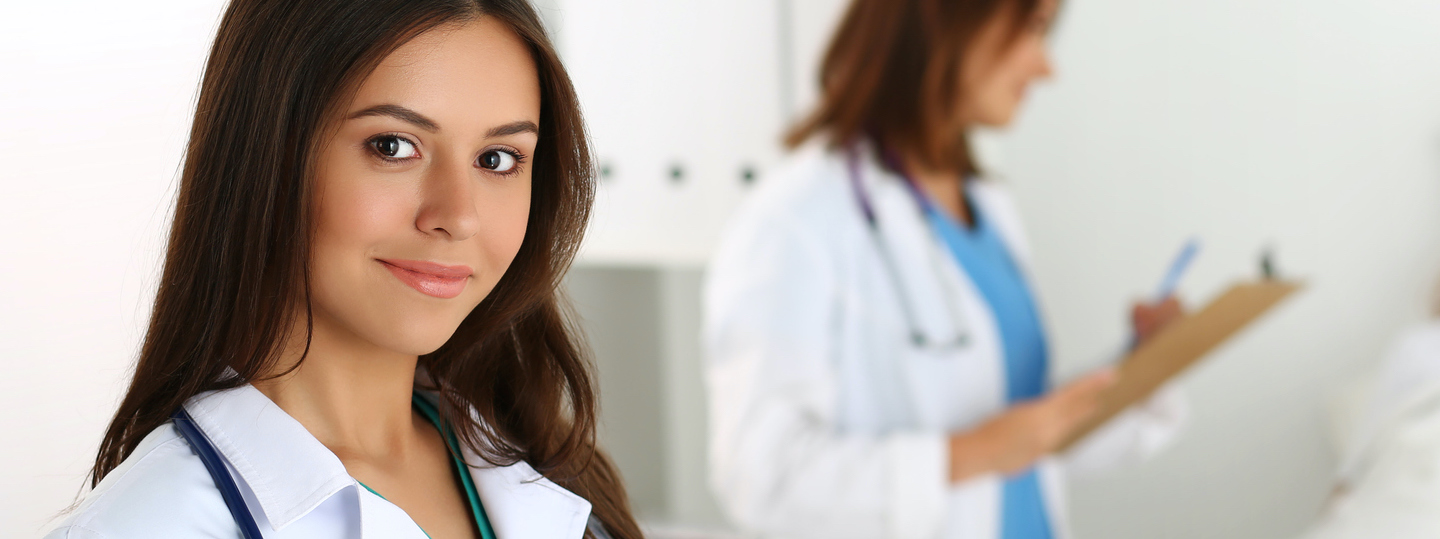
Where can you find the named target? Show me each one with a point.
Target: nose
(447, 207)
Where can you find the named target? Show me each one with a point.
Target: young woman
(879, 366)
(357, 330)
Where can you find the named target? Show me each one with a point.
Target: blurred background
(1307, 127)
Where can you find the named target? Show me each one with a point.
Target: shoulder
(801, 201)
(810, 186)
(1410, 369)
(1421, 340)
(161, 490)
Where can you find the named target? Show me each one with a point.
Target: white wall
(95, 101)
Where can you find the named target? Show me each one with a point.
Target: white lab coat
(824, 420)
(293, 485)
(1388, 469)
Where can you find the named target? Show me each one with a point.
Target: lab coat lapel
(380, 519)
(938, 290)
(522, 504)
(919, 260)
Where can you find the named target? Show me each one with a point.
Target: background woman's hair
(892, 74)
(236, 269)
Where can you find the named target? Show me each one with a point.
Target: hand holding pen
(1147, 318)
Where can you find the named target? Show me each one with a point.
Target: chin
(418, 345)
(998, 112)
(994, 123)
(417, 335)
(999, 117)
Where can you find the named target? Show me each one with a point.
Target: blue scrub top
(984, 257)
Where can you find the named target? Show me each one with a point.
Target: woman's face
(423, 192)
(1000, 65)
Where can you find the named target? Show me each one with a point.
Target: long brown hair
(236, 269)
(892, 74)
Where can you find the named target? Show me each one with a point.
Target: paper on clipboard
(1181, 344)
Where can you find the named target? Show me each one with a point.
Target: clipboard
(1181, 344)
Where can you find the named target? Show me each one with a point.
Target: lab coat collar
(288, 470)
(522, 503)
(291, 473)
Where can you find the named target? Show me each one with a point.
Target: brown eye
(497, 160)
(392, 147)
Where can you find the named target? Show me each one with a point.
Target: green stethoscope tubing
(462, 469)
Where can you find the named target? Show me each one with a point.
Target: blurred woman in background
(357, 330)
(878, 363)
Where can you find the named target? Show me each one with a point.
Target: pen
(1177, 269)
(1171, 280)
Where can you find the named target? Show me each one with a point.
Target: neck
(352, 395)
(945, 187)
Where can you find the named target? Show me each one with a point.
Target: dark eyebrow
(400, 113)
(513, 128)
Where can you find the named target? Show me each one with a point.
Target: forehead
(474, 74)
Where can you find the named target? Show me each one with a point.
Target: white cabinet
(683, 100)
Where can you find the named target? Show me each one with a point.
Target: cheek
(991, 95)
(504, 214)
(1032, 61)
(356, 213)
(1008, 83)
(353, 218)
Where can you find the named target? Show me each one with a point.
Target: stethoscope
(919, 338)
(229, 490)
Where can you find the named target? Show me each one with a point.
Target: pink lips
(431, 279)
